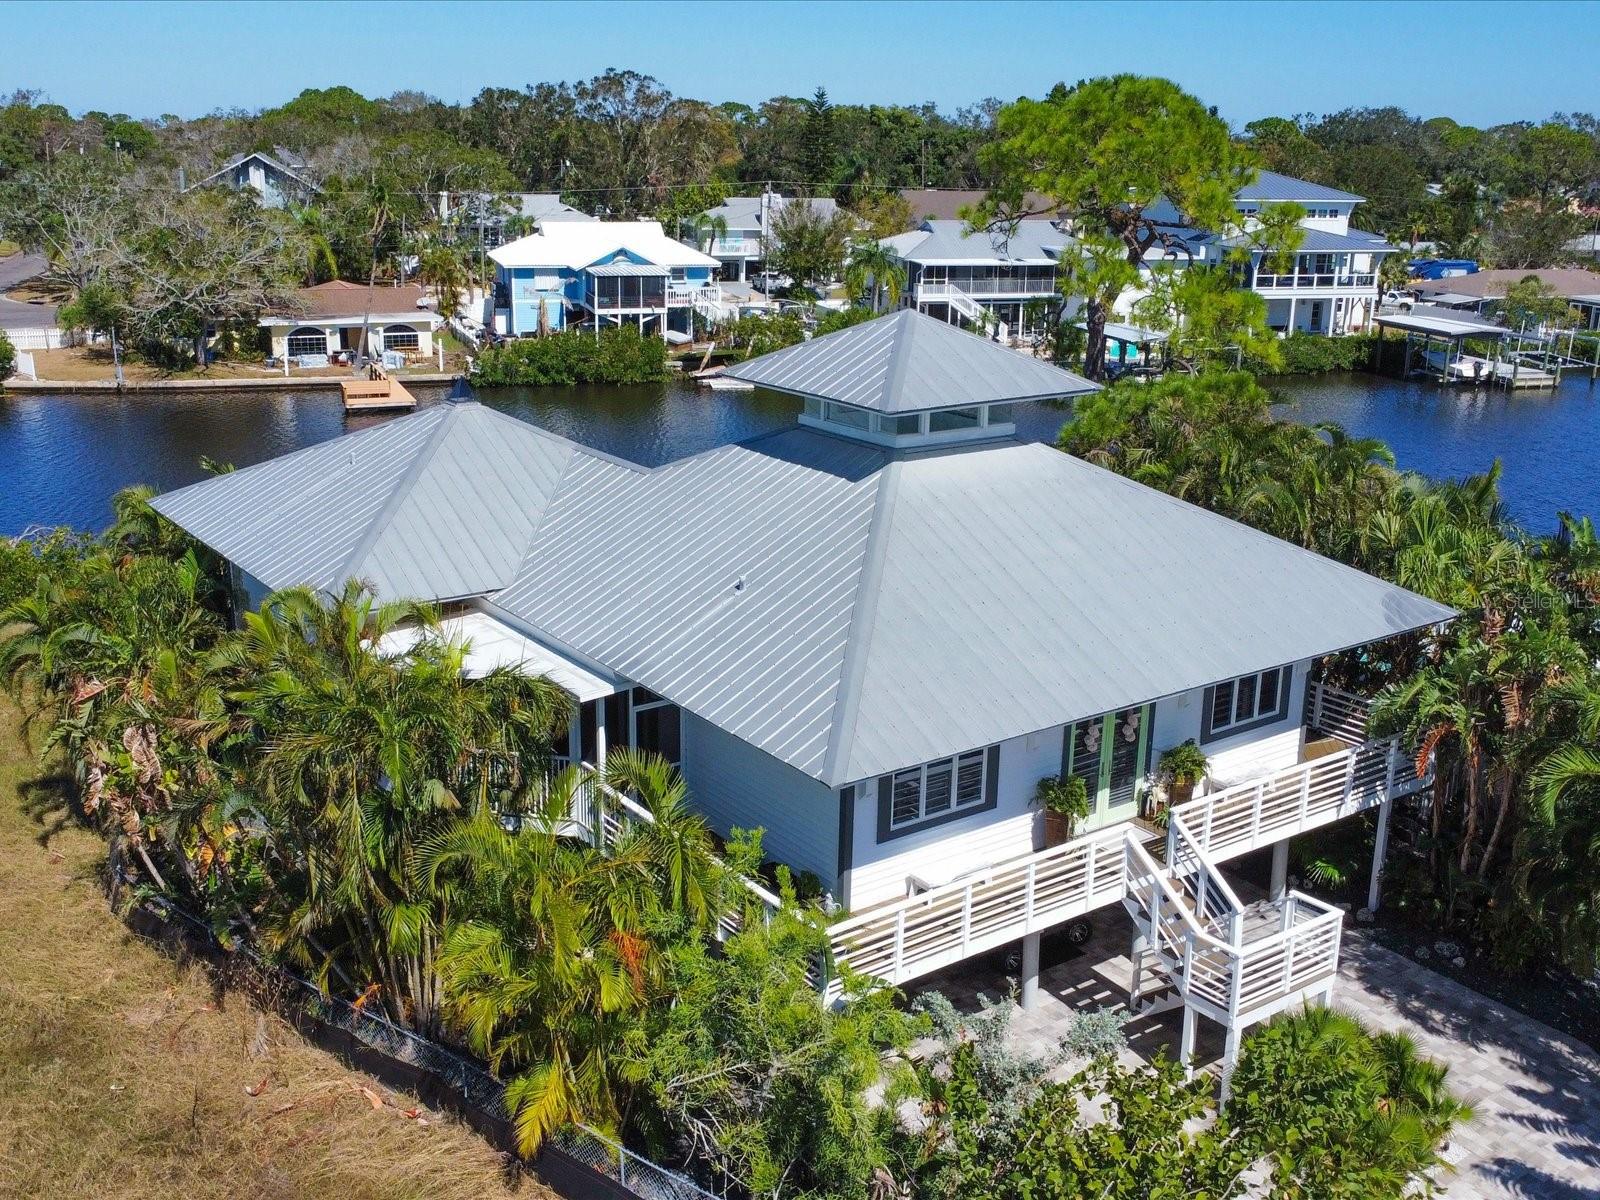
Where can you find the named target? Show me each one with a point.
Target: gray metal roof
(1321, 240)
(1441, 322)
(1030, 242)
(629, 269)
(436, 505)
(1271, 186)
(905, 362)
(851, 610)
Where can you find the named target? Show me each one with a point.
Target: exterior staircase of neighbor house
(958, 300)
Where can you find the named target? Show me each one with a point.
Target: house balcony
(735, 248)
(1231, 963)
(1333, 282)
(997, 288)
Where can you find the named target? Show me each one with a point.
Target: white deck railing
(957, 299)
(1300, 798)
(1338, 713)
(909, 938)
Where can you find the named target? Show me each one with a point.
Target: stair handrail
(1182, 848)
(1158, 876)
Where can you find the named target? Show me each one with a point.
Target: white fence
(1338, 713)
(43, 338)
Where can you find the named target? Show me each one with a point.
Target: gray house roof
(1270, 186)
(1314, 241)
(847, 608)
(905, 362)
(438, 505)
(1035, 242)
(852, 610)
(295, 173)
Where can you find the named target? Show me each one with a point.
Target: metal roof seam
(862, 615)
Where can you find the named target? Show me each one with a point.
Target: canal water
(62, 457)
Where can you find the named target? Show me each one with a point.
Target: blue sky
(1478, 62)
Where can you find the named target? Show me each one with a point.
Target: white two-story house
(600, 274)
(743, 234)
(872, 633)
(994, 280)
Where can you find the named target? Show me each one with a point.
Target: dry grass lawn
(83, 364)
(125, 1074)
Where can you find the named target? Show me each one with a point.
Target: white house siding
(734, 784)
(1244, 756)
(880, 872)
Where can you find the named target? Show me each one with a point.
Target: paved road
(14, 270)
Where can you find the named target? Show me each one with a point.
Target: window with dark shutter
(1245, 703)
(937, 791)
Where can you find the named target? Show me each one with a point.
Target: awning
(1453, 299)
(626, 269)
(493, 643)
(1132, 334)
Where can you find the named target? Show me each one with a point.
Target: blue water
(1545, 440)
(62, 457)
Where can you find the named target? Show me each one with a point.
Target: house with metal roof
(738, 232)
(998, 280)
(601, 274)
(872, 634)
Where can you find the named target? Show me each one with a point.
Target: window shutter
(991, 781)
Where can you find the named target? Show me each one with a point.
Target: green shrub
(8, 357)
(1315, 354)
(574, 356)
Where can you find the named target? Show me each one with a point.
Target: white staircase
(958, 300)
(1219, 959)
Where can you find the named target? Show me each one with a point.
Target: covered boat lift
(1436, 347)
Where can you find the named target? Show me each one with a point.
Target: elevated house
(599, 274)
(743, 240)
(871, 635)
(985, 278)
(327, 323)
(996, 280)
(280, 179)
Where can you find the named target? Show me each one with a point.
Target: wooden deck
(377, 392)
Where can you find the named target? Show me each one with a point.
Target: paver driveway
(1536, 1092)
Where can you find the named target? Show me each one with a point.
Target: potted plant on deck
(1065, 801)
(1181, 767)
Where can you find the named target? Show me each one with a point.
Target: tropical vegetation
(620, 355)
(319, 780)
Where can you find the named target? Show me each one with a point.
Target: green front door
(1109, 753)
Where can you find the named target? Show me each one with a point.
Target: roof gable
(576, 244)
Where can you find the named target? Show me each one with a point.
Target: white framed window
(400, 337)
(947, 419)
(307, 341)
(900, 424)
(930, 794)
(1248, 702)
(847, 414)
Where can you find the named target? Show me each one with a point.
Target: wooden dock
(1471, 368)
(377, 392)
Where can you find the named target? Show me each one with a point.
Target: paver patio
(1535, 1091)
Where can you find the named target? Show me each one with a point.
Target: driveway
(18, 269)
(1535, 1092)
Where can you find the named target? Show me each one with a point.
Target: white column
(1030, 970)
(1292, 302)
(1186, 1043)
(1230, 1058)
(1380, 851)
(600, 732)
(1280, 868)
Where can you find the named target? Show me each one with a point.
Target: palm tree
(443, 272)
(358, 756)
(316, 239)
(871, 264)
(557, 946)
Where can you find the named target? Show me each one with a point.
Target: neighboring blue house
(602, 273)
(278, 183)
